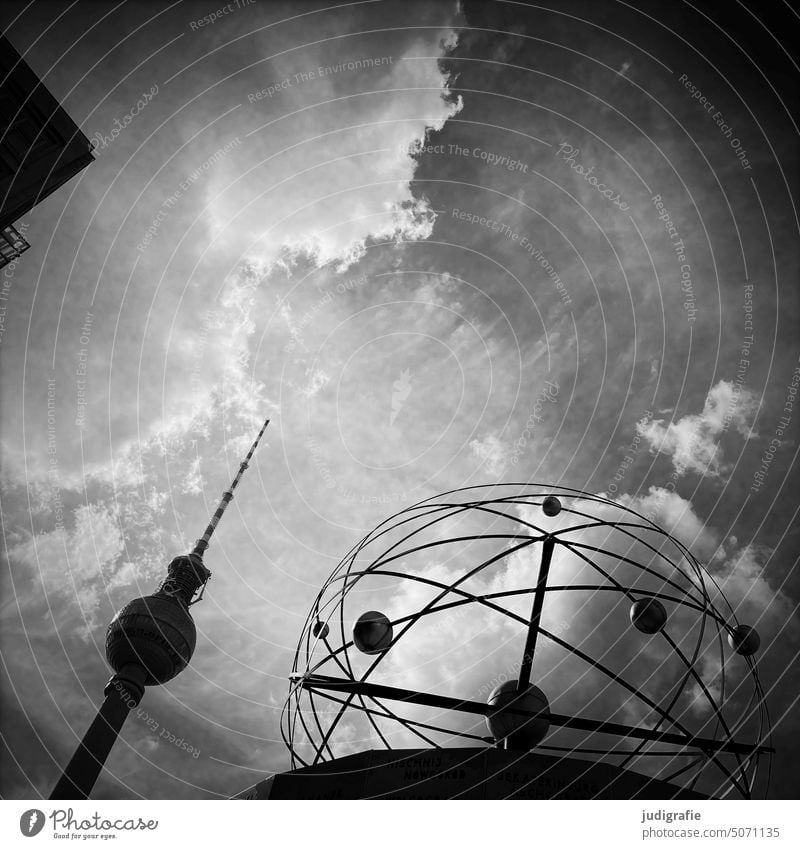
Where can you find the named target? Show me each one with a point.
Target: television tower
(148, 642)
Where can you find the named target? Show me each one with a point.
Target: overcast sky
(439, 245)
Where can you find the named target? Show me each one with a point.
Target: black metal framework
(702, 718)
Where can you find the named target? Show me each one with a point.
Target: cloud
(493, 453)
(193, 479)
(740, 571)
(743, 576)
(73, 565)
(328, 194)
(317, 380)
(692, 440)
(675, 515)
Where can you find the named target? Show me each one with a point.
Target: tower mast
(202, 544)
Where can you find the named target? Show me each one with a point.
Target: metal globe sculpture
(648, 615)
(489, 585)
(504, 723)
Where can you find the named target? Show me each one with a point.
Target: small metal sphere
(156, 632)
(744, 640)
(320, 630)
(551, 506)
(525, 733)
(372, 633)
(648, 615)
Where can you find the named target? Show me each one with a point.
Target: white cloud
(328, 194)
(317, 380)
(193, 479)
(73, 565)
(676, 516)
(492, 452)
(692, 440)
(742, 577)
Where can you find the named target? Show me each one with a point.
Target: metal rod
(381, 691)
(122, 693)
(536, 615)
(202, 544)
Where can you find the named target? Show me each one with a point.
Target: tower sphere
(648, 615)
(156, 632)
(320, 630)
(744, 640)
(551, 506)
(372, 632)
(502, 724)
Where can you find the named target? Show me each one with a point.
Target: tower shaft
(122, 693)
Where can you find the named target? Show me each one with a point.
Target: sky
(439, 245)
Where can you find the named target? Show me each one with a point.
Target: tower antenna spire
(202, 544)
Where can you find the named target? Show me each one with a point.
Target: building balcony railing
(12, 244)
